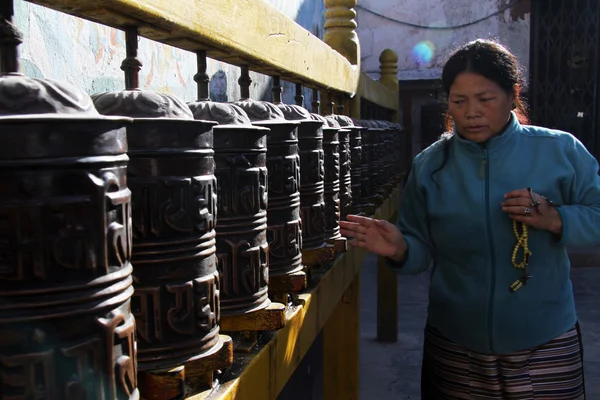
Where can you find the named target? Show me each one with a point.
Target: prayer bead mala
(522, 242)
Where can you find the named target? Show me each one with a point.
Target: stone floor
(392, 371)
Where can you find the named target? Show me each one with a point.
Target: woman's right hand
(377, 236)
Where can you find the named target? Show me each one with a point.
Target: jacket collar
(496, 143)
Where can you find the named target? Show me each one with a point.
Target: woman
(494, 331)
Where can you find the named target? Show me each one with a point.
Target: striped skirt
(553, 371)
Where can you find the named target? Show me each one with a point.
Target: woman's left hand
(520, 206)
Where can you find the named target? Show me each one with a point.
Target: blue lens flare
(423, 52)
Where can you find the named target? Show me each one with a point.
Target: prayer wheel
(387, 154)
(360, 181)
(345, 172)
(367, 159)
(355, 165)
(376, 164)
(315, 251)
(399, 156)
(65, 242)
(174, 205)
(284, 235)
(242, 249)
(331, 147)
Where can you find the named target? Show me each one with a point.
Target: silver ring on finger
(528, 211)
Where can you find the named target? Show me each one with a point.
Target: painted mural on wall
(89, 55)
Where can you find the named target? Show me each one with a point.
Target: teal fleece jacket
(459, 225)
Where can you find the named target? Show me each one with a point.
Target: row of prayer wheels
(136, 229)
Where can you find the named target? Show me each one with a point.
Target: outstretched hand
(377, 236)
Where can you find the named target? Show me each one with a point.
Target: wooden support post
(341, 347)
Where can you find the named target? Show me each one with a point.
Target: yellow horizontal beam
(264, 374)
(375, 92)
(238, 32)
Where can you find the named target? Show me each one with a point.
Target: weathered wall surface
(89, 55)
(422, 52)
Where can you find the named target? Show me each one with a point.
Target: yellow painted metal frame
(377, 93)
(266, 372)
(238, 32)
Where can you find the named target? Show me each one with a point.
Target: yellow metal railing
(254, 34)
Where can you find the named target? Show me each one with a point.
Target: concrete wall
(62, 47)
(422, 52)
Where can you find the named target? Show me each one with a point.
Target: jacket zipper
(485, 165)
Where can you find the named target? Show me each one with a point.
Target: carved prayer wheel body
(284, 233)
(171, 175)
(312, 201)
(398, 154)
(360, 180)
(331, 146)
(356, 155)
(377, 163)
(65, 247)
(387, 154)
(242, 249)
(345, 172)
(354, 146)
(367, 161)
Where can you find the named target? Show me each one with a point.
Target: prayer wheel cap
(332, 122)
(382, 124)
(260, 110)
(142, 104)
(320, 118)
(223, 113)
(343, 121)
(24, 97)
(294, 112)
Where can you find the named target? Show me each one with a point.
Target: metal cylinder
(354, 148)
(367, 161)
(356, 164)
(315, 251)
(240, 157)
(65, 246)
(398, 154)
(171, 175)
(360, 190)
(345, 172)
(377, 165)
(331, 146)
(283, 208)
(386, 152)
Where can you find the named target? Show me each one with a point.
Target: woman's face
(479, 107)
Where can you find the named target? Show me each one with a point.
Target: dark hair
(491, 60)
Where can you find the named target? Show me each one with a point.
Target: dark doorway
(564, 68)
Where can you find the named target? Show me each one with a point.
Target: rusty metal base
(340, 244)
(319, 256)
(194, 376)
(287, 283)
(269, 318)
